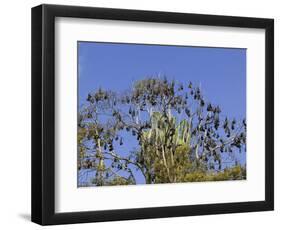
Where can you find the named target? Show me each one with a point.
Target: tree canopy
(180, 136)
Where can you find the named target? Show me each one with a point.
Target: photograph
(140, 114)
(160, 113)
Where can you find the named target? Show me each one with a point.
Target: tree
(180, 136)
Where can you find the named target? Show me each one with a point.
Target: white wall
(15, 112)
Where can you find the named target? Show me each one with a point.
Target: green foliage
(120, 181)
(233, 173)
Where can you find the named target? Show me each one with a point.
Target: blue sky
(221, 72)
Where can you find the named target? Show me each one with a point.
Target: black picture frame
(43, 114)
